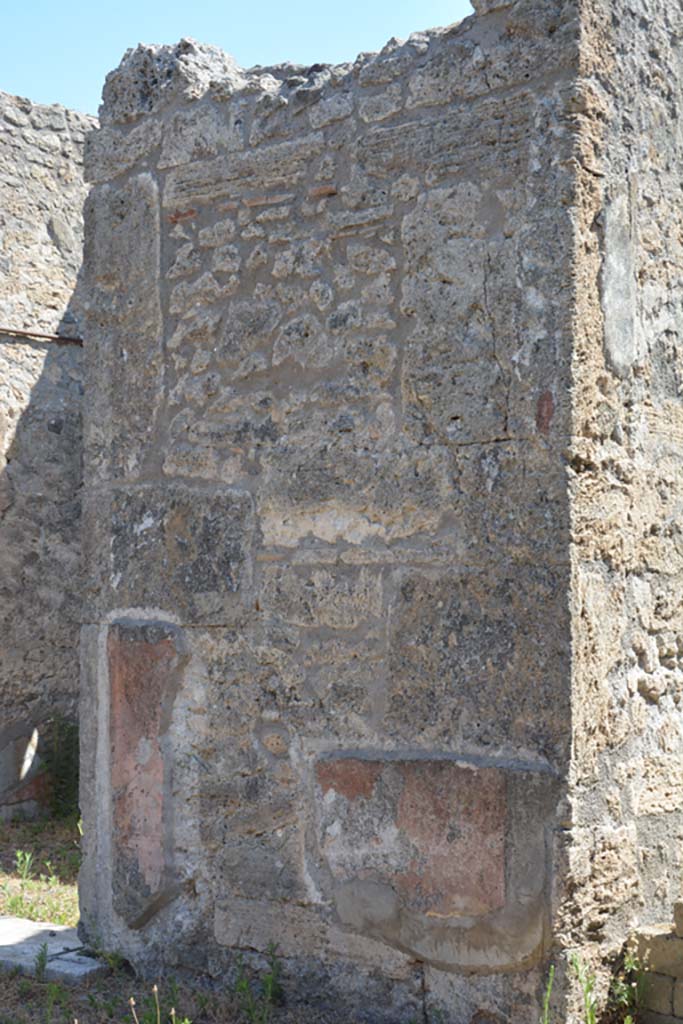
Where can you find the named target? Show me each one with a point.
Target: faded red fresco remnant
(351, 778)
(141, 660)
(545, 410)
(434, 830)
(180, 215)
(455, 818)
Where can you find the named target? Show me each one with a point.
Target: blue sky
(59, 51)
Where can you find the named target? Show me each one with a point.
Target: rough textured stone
(659, 993)
(625, 477)
(678, 918)
(41, 195)
(678, 998)
(662, 951)
(384, 434)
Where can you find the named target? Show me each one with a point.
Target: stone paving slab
(21, 942)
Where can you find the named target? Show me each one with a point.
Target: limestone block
(249, 923)
(678, 999)
(678, 918)
(661, 950)
(659, 993)
(368, 972)
(21, 942)
(110, 151)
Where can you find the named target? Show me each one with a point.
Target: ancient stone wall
(661, 949)
(41, 197)
(327, 676)
(382, 655)
(625, 476)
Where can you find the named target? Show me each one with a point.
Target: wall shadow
(41, 392)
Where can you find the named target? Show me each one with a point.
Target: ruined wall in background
(41, 198)
(326, 674)
(627, 476)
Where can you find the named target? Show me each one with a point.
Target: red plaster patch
(432, 830)
(347, 777)
(179, 215)
(545, 411)
(141, 661)
(455, 817)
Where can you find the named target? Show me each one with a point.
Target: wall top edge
(151, 77)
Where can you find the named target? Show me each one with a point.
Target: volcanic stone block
(337, 598)
(464, 651)
(177, 548)
(678, 999)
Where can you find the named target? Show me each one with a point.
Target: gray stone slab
(21, 942)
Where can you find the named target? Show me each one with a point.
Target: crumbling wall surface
(41, 197)
(627, 476)
(326, 662)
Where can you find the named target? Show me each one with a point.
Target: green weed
(40, 963)
(586, 981)
(55, 997)
(627, 991)
(23, 860)
(258, 1007)
(545, 1016)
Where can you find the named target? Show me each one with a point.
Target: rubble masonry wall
(41, 197)
(381, 654)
